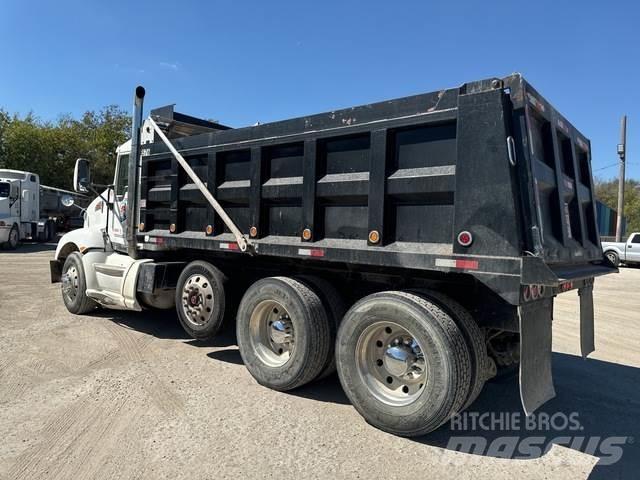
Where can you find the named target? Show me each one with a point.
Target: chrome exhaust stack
(134, 169)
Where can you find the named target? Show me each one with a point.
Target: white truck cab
(20, 210)
(92, 261)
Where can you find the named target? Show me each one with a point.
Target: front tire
(14, 238)
(74, 286)
(403, 363)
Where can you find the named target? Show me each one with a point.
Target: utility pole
(622, 151)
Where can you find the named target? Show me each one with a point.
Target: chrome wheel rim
(611, 257)
(391, 363)
(70, 283)
(272, 333)
(197, 300)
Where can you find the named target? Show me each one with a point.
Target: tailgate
(560, 210)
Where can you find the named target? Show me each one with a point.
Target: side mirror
(67, 200)
(82, 175)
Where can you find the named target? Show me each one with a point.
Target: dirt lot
(119, 395)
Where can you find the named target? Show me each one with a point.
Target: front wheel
(74, 286)
(403, 362)
(14, 238)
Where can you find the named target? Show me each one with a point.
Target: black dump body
(391, 185)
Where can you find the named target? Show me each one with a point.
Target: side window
(122, 180)
(636, 238)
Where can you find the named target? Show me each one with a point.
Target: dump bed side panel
(387, 168)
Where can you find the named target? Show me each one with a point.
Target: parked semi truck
(29, 210)
(415, 245)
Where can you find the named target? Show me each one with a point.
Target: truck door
(633, 248)
(117, 220)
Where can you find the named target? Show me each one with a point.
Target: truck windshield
(4, 189)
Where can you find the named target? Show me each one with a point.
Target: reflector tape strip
(156, 240)
(311, 252)
(229, 246)
(453, 263)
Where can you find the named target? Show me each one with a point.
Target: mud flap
(536, 381)
(587, 336)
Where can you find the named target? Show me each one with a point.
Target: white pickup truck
(623, 252)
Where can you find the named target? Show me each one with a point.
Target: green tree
(51, 148)
(607, 193)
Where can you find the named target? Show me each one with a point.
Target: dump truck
(31, 211)
(414, 245)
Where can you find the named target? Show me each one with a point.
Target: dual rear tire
(284, 333)
(408, 361)
(405, 363)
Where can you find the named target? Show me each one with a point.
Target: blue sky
(244, 61)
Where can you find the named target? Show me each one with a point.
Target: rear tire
(335, 308)
(475, 339)
(74, 286)
(403, 362)
(283, 333)
(613, 257)
(201, 300)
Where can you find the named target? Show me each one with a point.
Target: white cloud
(169, 65)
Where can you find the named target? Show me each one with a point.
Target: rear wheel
(403, 362)
(201, 300)
(335, 308)
(74, 286)
(613, 257)
(476, 344)
(283, 333)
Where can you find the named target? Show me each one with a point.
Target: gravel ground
(127, 395)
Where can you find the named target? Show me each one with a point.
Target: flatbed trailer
(463, 212)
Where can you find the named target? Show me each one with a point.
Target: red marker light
(465, 238)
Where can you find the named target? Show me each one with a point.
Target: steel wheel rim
(271, 333)
(70, 284)
(391, 363)
(197, 300)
